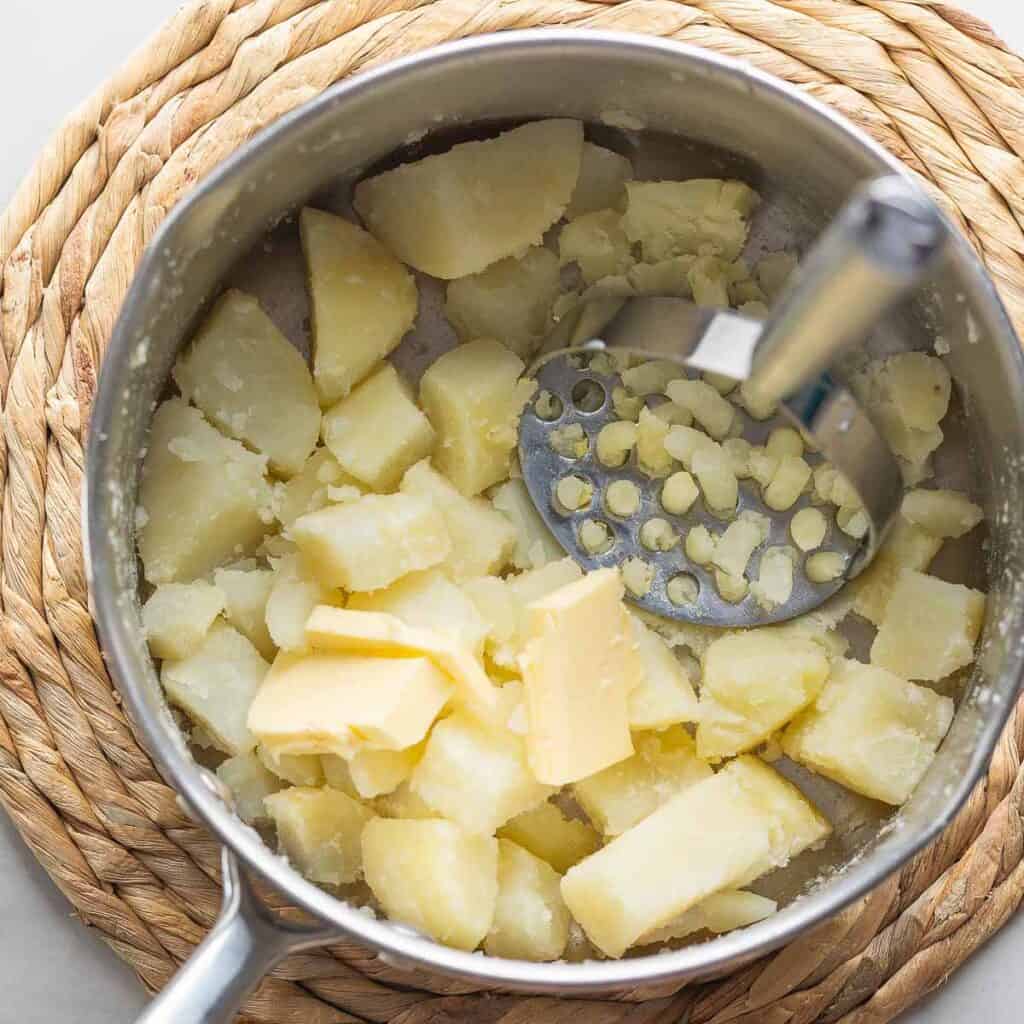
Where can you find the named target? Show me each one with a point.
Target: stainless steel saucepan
(677, 112)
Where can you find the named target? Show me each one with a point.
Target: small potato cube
(377, 432)
(737, 543)
(652, 457)
(637, 576)
(547, 833)
(615, 441)
(713, 412)
(535, 543)
(709, 282)
(700, 545)
(941, 513)
(433, 876)
(870, 731)
(808, 528)
(739, 452)
(788, 483)
(753, 683)
(673, 218)
(721, 912)
(298, 769)
(403, 803)
(906, 547)
(666, 277)
(596, 243)
(309, 490)
(320, 832)
(429, 600)
(531, 921)
(242, 371)
(177, 616)
(362, 300)
(474, 397)
(511, 300)
(679, 493)
(216, 684)
(713, 470)
(652, 377)
(456, 213)
(374, 541)
(476, 776)
(293, 596)
(249, 782)
(665, 763)
(774, 584)
(682, 443)
(246, 592)
(601, 184)
(929, 628)
(482, 538)
(664, 695)
(376, 772)
(206, 498)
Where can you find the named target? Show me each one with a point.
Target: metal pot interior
(677, 113)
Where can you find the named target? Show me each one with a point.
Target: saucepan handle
(247, 942)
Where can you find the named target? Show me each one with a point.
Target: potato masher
(880, 247)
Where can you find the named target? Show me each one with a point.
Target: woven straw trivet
(929, 82)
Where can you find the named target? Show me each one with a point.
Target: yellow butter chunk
(362, 301)
(378, 633)
(579, 666)
(722, 832)
(328, 703)
(370, 543)
(378, 772)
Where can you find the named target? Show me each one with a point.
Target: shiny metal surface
(700, 113)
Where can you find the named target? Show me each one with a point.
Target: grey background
(51, 968)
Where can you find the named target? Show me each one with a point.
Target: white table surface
(51, 968)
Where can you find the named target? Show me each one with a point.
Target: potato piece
(734, 548)
(320, 832)
(511, 300)
(216, 684)
(596, 243)
(242, 371)
(784, 441)
(374, 541)
(362, 301)
(700, 545)
(327, 703)
(701, 216)
(579, 666)
(377, 432)
(825, 566)
(731, 588)
(808, 528)
(456, 213)
(720, 833)
(378, 772)
(536, 545)
(709, 283)
(547, 833)
(652, 455)
(433, 876)
(664, 695)
(721, 912)
(788, 482)
(637, 576)
(665, 277)
(713, 412)
(249, 782)
(941, 513)
(929, 628)
(752, 684)
(308, 490)
(682, 443)
(774, 583)
(177, 616)
(403, 803)
(531, 921)
(298, 769)
(713, 470)
(292, 598)
(665, 763)
(600, 186)
(429, 600)
(205, 499)
(245, 604)
(870, 731)
(474, 397)
(482, 538)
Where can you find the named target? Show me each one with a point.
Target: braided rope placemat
(929, 82)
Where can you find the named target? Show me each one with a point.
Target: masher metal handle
(879, 248)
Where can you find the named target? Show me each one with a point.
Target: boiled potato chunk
(720, 833)
(433, 876)
(482, 538)
(216, 684)
(377, 432)
(177, 616)
(941, 513)
(597, 244)
(250, 782)
(476, 776)
(929, 628)
(547, 833)
(376, 772)
(372, 542)
(403, 803)
(320, 831)
(664, 695)
(601, 184)
(535, 543)
(511, 300)
(310, 489)
(204, 497)
(292, 598)
(531, 921)
(242, 372)
(705, 216)
(719, 913)
(907, 546)
(753, 683)
(297, 769)
(474, 397)
(327, 703)
(246, 592)
(665, 763)
(871, 731)
(456, 213)
(363, 301)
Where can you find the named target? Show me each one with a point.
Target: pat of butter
(329, 628)
(579, 665)
(329, 703)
